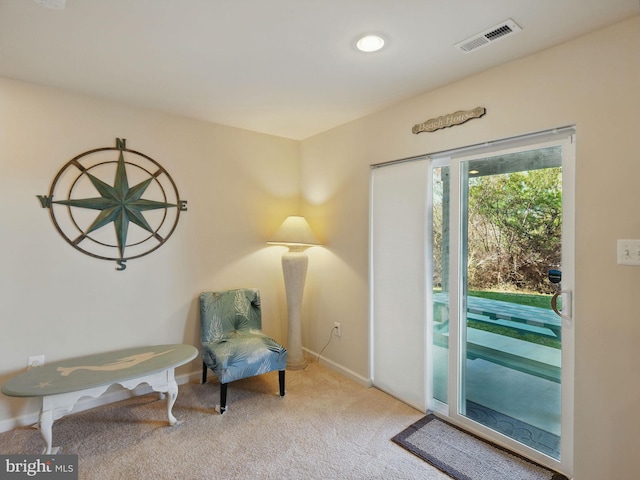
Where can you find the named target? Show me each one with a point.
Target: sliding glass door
(501, 237)
(469, 252)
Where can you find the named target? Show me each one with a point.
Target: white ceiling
(282, 67)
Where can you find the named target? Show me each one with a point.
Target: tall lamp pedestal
(294, 267)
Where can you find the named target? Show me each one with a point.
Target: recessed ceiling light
(370, 43)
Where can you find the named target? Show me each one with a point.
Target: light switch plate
(629, 252)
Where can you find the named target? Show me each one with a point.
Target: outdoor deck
(527, 357)
(526, 398)
(533, 359)
(518, 378)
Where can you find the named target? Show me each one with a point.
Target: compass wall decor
(101, 215)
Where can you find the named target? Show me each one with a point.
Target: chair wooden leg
(281, 381)
(204, 372)
(223, 398)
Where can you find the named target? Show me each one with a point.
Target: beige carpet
(326, 427)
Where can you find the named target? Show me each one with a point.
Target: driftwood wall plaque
(449, 120)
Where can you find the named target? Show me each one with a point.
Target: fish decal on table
(120, 364)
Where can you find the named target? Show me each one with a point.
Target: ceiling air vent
(502, 30)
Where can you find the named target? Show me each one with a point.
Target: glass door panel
(510, 338)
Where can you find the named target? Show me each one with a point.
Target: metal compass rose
(117, 203)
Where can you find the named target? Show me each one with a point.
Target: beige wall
(58, 302)
(592, 82)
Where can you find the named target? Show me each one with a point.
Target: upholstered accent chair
(233, 345)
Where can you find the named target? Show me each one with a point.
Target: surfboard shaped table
(62, 384)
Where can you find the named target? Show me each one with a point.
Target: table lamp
(296, 234)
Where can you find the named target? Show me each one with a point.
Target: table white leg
(46, 427)
(172, 394)
(162, 382)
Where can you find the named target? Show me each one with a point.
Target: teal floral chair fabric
(233, 345)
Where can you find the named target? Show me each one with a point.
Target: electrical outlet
(35, 361)
(338, 328)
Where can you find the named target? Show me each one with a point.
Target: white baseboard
(86, 403)
(366, 382)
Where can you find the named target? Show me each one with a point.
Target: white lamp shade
(294, 231)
